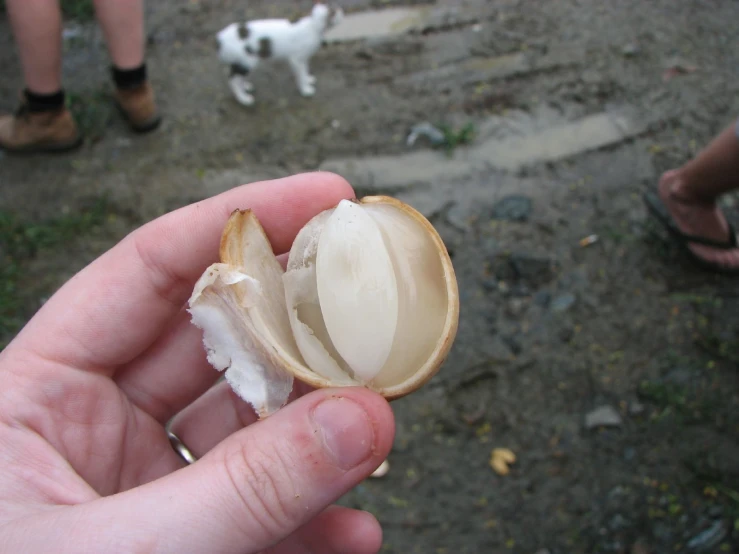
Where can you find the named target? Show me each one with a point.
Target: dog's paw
(308, 90)
(247, 86)
(245, 99)
(311, 80)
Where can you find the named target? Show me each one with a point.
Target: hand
(88, 385)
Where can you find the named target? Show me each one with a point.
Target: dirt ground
(610, 370)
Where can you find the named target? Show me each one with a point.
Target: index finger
(118, 305)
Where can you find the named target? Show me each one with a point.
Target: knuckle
(262, 487)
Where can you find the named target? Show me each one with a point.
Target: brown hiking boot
(47, 131)
(138, 106)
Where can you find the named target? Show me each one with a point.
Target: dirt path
(575, 117)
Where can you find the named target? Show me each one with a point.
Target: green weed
(456, 137)
(80, 10)
(92, 112)
(21, 241)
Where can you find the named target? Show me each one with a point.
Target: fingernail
(346, 429)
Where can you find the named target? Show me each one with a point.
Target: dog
(244, 46)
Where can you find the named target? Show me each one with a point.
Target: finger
(337, 530)
(250, 493)
(216, 415)
(115, 308)
(171, 374)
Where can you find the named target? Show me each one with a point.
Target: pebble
(490, 284)
(563, 302)
(566, 333)
(542, 298)
(709, 538)
(604, 416)
(629, 454)
(679, 376)
(458, 217)
(618, 522)
(636, 407)
(536, 270)
(516, 307)
(662, 532)
(513, 208)
(630, 50)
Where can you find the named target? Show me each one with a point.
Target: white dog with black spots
(244, 46)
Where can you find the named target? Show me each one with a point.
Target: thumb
(256, 487)
(269, 479)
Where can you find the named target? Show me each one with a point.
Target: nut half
(369, 298)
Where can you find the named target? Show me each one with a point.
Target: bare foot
(697, 217)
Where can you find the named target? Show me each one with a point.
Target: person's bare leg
(122, 22)
(691, 193)
(37, 28)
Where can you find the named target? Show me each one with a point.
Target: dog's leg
(238, 85)
(309, 77)
(303, 78)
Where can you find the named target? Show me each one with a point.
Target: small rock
(458, 217)
(516, 307)
(435, 135)
(709, 538)
(490, 284)
(662, 532)
(679, 376)
(636, 408)
(629, 454)
(604, 416)
(71, 32)
(513, 208)
(514, 345)
(563, 302)
(542, 298)
(566, 333)
(535, 270)
(639, 547)
(629, 50)
(618, 522)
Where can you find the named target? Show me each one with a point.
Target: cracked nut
(500, 459)
(369, 298)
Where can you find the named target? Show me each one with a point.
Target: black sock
(129, 78)
(44, 102)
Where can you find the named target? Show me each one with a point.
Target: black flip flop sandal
(659, 210)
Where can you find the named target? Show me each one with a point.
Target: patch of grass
(688, 405)
(21, 241)
(456, 137)
(718, 347)
(664, 395)
(93, 112)
(80, 10)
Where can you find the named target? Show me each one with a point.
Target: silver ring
(179, 447)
